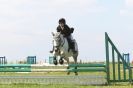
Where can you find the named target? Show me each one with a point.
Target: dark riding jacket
(66, 31)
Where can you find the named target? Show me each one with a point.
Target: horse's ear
(53, 33)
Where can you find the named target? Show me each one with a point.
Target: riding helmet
(62, 20)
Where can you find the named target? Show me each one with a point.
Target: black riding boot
(69, 43)
(73, 47)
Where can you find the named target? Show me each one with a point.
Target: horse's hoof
(76, 73)
(68, 73)
(61, 61)
(55, 62)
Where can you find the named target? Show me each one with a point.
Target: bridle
(61, 41)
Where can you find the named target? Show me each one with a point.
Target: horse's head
(57, 40)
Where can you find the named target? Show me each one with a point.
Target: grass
(42, 86)
(47, 73)
(61, 86)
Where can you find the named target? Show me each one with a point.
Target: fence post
(107, 57)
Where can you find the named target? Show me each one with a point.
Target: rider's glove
(72, 30)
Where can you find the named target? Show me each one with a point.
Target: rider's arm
(58, 29)
(70, 30)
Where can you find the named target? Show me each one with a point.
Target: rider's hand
(72, 30)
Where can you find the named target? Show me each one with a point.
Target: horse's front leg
(61, 61)
(55, 60)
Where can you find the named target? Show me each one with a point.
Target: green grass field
(121, 85)
(61, 86)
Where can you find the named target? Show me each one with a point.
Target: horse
(61, 48)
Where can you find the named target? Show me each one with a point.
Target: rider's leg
(71, 43)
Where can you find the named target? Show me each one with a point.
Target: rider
(64, 29)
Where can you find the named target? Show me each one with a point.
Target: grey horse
(61, 48)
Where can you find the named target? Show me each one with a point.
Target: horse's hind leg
(67, 59)
(75, 62)
(68, 73)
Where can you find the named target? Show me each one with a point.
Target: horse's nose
(56, 50)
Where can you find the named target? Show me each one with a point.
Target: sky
(26, 26)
